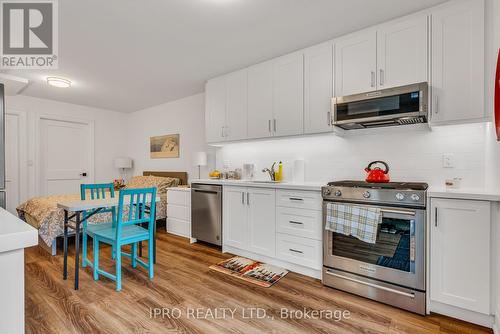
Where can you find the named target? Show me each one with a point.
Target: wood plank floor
(183, 283)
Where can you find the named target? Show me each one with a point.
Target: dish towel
(360, 222)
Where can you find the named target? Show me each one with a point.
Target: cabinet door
(355, 63)
(235, 227)
(215, 112)
(260, 100)
(318, 89)
(460, 253)
(236, 105)
(458, 62)
(288, 95)
(402, 52)
(261, 221)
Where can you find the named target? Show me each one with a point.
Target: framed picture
(164, 146)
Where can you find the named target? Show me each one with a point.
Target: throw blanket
(359, 222)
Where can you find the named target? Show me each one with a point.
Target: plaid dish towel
(360, 222)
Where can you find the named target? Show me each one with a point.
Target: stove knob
(415, 197)
(366, 194)
(338, 193)
(400, 196)
(327, 192)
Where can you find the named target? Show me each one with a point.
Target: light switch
(448, 160)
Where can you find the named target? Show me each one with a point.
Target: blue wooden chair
(95, 191)
(127, 232)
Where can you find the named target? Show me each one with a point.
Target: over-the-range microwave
(388, 107)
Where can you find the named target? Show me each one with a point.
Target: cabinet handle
(436, 217)
(275, 121)
(436, 104)
(222, 131)
(381, 77)
(269, 126)
(296, 199)
(295, 251)
(248, 198)
(296, 223)
(372, 73)
(243, 198)
(329, 118)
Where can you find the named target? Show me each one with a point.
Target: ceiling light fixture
(59, 82)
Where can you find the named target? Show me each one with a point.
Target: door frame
(37, 163)
(23, 152)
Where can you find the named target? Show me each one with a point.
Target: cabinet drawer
(302, 251)
(299, 222)
(179, 197)
(179, 227)
(299, 199)
(179, 212)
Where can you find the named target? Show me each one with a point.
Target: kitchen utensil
(376, 174)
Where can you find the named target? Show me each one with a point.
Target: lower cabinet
(460, 254)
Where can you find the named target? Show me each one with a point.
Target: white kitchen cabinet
(260, 100)
(215, 109)
(236, 105)
(356, 63)
(235, 212)
(402, 52)
(179, 211)
(261, 221)
(460, 253)
(457, 75)
(288, 94)
(318, 88)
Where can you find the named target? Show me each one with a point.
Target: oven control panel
(415, 198)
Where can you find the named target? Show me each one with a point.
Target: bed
(42, 212)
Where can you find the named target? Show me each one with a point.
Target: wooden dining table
(73, 211)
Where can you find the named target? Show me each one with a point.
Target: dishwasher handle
(206, 188)
(206, 191)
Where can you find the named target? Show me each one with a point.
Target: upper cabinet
(356, 63)
(260, 100)
(318, 88)
(402, 52)
(458, 62)
(215, 109)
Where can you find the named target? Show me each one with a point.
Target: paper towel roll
(298, 171)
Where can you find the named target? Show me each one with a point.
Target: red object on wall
(497, 98)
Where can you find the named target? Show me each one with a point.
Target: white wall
(109, 132)
(185, 117)
(414, 154)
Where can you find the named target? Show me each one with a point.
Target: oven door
(397, 256)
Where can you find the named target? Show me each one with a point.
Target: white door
(260, 100)
(460, 254)
(318, 88)
(288, 95)
(215, 112)
(458, 62)
(356, 63)
(13, 132)
(235, 225)
(66, 156)
(236, 105)
(262, 221)
(402, 52)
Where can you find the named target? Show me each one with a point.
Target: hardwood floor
(183, 283)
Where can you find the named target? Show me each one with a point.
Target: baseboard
(462, 314)
(270, 260)
(496, 324)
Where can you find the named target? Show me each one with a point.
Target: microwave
(403, 105)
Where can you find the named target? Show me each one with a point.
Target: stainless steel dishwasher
(206, 213)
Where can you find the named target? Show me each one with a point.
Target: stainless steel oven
(391, 270)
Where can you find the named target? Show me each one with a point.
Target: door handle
(83, 174)
(372, 74)
(381, 77)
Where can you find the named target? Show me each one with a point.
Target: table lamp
(200, 159)
(123, 163)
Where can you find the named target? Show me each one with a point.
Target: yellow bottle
(279, 174)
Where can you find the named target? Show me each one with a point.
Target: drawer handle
(296, 223)
(296, 199)
(295, 251)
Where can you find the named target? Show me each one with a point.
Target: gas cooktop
(389, 185)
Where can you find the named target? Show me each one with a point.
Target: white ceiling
(126, 55)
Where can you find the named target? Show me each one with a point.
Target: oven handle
(409, 295)
(402, 212)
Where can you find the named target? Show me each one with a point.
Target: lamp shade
(200, 159)
(123, 162)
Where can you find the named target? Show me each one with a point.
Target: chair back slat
(137, 199)
(96, 190)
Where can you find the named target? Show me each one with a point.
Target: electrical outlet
(448, 160)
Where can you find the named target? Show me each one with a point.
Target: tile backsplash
(413, 154)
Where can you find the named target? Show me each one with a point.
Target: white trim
(463, 314)
(22, 152)
(496, 324)
(36, 148)
(284, 264)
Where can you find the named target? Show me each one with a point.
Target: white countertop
(14, 233)
(282, 185)
(465, 193)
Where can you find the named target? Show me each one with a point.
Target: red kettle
(377, 175)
